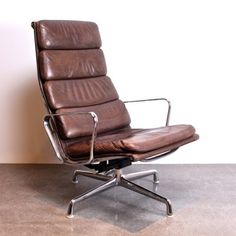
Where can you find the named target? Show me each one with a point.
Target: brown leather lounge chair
(87, 123)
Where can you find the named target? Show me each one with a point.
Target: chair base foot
(117, 179)
(70, 216)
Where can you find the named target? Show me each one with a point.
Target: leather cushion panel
(80, 92)
(133, 140)
(142, 156)
(62, 34)
(111, 115)
(154, 153)
(104, 142)
(151, 139)
(64, 64)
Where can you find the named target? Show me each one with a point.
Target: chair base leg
(141, 174)
(118, 180)
(101, 188)
(90, 175)
(107, 175)
(138, 189)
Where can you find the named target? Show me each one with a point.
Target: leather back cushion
(73, 71)
(69, 64)
(62, 34)
(111, 115)
(79, 92)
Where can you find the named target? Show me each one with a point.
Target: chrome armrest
(156, 99)
(55, 140)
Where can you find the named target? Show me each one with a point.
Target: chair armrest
(156, 99)
(55, 140)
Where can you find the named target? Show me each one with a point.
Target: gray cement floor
(34, 198)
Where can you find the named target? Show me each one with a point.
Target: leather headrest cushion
(62, 34)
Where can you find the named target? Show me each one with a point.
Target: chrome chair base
(116, 178)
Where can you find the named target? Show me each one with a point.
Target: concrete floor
(34, 198)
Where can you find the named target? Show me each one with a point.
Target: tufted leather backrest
(72, 70)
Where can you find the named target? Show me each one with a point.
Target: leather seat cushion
(156, 152)
(142, 156)
(131, 140)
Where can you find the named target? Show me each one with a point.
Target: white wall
(183, 50)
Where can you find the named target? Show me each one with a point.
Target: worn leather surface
(134, 141)
(111, 115)
(62, 34)
(139, 156)
(73, 72)
(79, 92)
(156, 152)
(71, 64)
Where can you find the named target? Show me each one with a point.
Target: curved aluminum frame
(156, 99)
(55, 140)
(154, 157)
